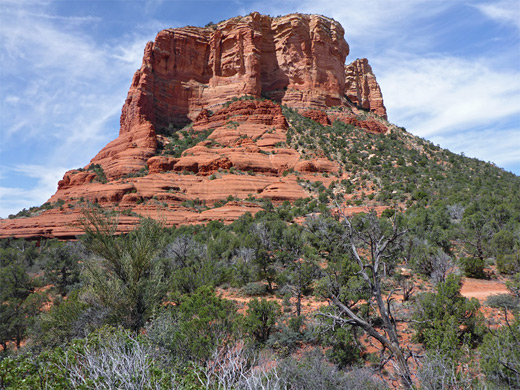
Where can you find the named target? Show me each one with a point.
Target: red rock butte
(189, 78)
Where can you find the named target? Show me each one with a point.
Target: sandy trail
(482, 289)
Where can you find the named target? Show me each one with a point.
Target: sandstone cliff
(187, 79)
(297, 60)
(362, 88)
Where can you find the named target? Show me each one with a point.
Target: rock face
(188, 77)
(297, 60)
(362, 88)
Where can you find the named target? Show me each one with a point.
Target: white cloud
(12, 99)
(131, 54)
(501, 146)
(68, 19)
(373, 23)
(58, 68)
(150, 6)
(14, 199)
(440, 95)
(504, 11)
(63, 94)
(464, 105)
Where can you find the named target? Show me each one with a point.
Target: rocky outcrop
(296, 59)
(370, 125)
(252, 111)
(317, 116)
(362, 88)
(216, 79)
(158, 164)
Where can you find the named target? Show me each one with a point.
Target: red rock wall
(296, 59)
(362, 88)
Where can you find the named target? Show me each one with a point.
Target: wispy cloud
(494, 144)
(150, 6)
(374, 23)
(469, 106)
(504, 11)
(14, 199)
(62, 95)
(68, 19)
(61, 69)
(439, 95)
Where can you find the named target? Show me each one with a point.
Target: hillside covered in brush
(260, 224)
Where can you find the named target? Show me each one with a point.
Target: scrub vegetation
(298, 296)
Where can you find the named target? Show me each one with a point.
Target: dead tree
(371, 248)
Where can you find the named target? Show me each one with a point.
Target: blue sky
(449, 71)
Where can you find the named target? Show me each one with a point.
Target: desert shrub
(285, 341)
(140, 173)
(239, 98)
(190, 138)
(27, 371)
(126, 278)
(500, 356)
(20, 302)
(420, 253)
(98, 170)
(255, 289)
(290, 335)
(438, 371)
(236, 366)
(313, 371)
(361, 378)
(63, 322)
(441, 265)
(473, 267)
(388, 213)
(508, 263)
(505, 246)
(260, 319)
(192, 330)
(116, 361)
(107, 359)
(345, 350)
(36, 209)
(445, 320)
(419, 195)
(503, 301)
(190, 265)
(62, 267)
(513, 285)
(241, 261)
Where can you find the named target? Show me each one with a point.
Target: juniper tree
(126, 277)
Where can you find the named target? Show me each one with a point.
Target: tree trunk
(269, 285)
(402, 365)
(378, 245)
